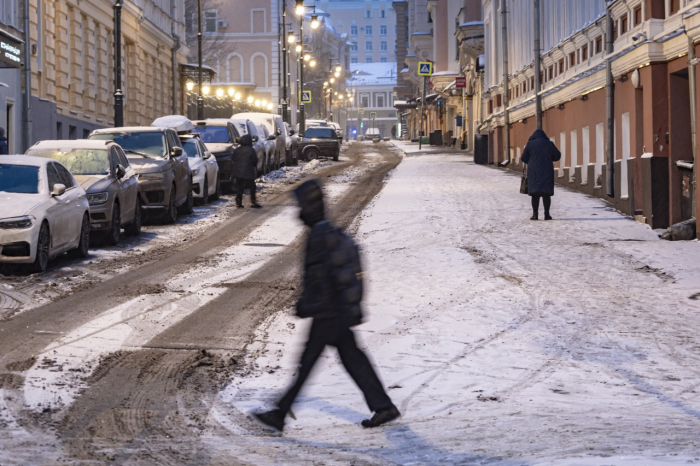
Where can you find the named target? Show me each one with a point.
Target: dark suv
(219, 135)
(161, 165)
(319, 141)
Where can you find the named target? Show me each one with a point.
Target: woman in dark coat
(245, 161)
(540, 154)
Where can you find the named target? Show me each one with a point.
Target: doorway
(680, 146)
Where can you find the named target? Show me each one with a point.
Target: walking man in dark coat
(540, 154)
(245, 161)
(331, 295)
(3, 142)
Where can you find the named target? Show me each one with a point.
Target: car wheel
(42, 249)
(171, 213)
(134, 228)
(312, 154)
(115, 229)
(84, 244)
(188, 206)
(335, 157)
(205, 192)
(217, 191)
(295, 161)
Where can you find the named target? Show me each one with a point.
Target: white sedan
(205, 171)
(43, 211)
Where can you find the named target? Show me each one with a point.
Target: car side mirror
(278, 132)
(121, 171)
(255, 139)
(58, 189)
(271, 137)
(291, 132)
(176, 152)
(207, 155)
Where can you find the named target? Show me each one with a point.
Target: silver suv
(158, 159)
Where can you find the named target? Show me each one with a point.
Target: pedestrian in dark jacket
(245, 162)
(540, 154)
(331, 295)
(3, 142)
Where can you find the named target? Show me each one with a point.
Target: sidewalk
(502, 340)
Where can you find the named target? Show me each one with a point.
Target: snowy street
(500, 339)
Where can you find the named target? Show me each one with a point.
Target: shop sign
(11, 53)
(461, 82)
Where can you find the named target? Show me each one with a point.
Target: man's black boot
(382, 417)
(274, 419)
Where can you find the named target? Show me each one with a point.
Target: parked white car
(43, 211)
(205, 171)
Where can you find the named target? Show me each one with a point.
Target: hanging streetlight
(325, 83)
(307, 56)
(231, 91)
(269, 106)
(332, 80)
(338, 69)
(299, 7)
(257, 102)
(264, 102)
(291, 38)
(315, 23)
(312, 63)
(219, 92)
(250, 99)
(238, 96)
(205, 90)
(189, 85)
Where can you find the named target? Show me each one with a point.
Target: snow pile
(500, 339)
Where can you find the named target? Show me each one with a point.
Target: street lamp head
(291, 38)
(332, 80)
(299, 8)
(231, 91)
(205, 90)
(338, 69)
(312, 63)
(269, 106)
(219, 92)
(315, 23)
(325, 83)
(264, 102)
(250, 99)
(189, 85)
(340, 97)
(238, 96)
(307, 56)
(336, 74)
(257, 102)
(297, 49)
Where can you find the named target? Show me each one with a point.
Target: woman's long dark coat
(540, 154)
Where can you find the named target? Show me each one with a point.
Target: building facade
(654, 43)
(372, 85)
(73, 65)
(12, 61)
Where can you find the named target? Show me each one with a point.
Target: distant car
(104, 172)
(292, 144)
(373, 133)
(275, 127)
(164, 175)
(43, 211)
(219, 135)
(245, 126)
(319, 142)
(338, 130)
(204, 167)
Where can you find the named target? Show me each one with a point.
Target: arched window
(234, 68)
(258, 69)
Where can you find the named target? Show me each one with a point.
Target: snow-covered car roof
(63, 144)
(240, 124)
(20, 159)
(129, 129)
(179, 123)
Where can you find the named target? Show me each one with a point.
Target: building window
(382, 30)
(368, 46)
(550, 73)
(368, 30)
(210, 20)
(638, 15)
(380, 100)
(369, 60)
(383, 14)
(368, 13)
(353, 30)
(561, 66)
(382, 60)
(353, 60)
(383, 46)
(675, 6)
(572, 59)
(598, 45)
(532, 82)
(353, 46)
(623, 24)
(584, 53)
(364, 100)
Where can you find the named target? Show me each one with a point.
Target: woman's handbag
(523, 182)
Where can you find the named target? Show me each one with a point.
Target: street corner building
(69, 50)
(649, 98)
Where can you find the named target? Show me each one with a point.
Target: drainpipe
(692, 61)
(200, 98)
(176, 86)
(118, 94)
(506, 100)
(610, 102)
(27, 97)
(538, 67)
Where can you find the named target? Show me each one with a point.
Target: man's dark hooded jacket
(245, 160)
(540, 154)
(331, 265)
(3, 145)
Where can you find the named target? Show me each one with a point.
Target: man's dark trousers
(241, 185)
(329, 332)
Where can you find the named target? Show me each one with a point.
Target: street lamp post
(200, 99)
(118, 94)
(284, 61)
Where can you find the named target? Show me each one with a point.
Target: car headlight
(195, 172)
(97, 198)
(18, 223)
(150, 176)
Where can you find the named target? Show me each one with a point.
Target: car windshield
(190, 147)
(318, 132)
(213, 133)
(19, 179)
(78, 161)
(147, 142)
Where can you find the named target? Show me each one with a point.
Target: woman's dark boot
(534, 216)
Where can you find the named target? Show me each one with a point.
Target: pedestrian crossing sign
(361, 111)
(425, 68)
(305, 97)
(373, 115)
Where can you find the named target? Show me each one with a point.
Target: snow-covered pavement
(574, 341)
